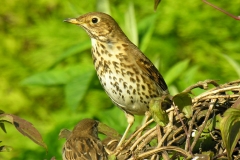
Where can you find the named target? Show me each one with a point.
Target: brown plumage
(83, 143)
(129, 78)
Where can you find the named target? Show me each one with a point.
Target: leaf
(2, 124)
(53, 77)
(236, 104)
(176, 71)
(184, 103)
(187, 110)
(156, 108)
(204, 156)
(182, 100)
(147, 26)
(131, 25)
(77, 87)
(25, 128)
(72, 51)
(108, 131)
(234, 64)
(230, 129)
(3, 127)
(5, 148)
(103, 6)
(156, 3)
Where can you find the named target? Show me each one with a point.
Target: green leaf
(77, 87)
(156, 3)
(3, 127)
(78, 48)
(184, 103)
(182, 100)
(53, 77)
(131, 25)
(230, 129)
(187, 110)
(176, 71)
(5, 149)
(156, 108)
(147, 26)
(103, 6)
(234, 64)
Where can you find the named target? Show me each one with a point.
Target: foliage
(23, 126)
(230, 129)
(43, 60)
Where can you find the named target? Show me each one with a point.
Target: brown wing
(84, 149)
(151, 71)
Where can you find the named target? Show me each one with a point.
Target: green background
(46, 71)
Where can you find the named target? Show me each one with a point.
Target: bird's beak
(72, 20)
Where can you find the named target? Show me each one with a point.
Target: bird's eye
(94, 20)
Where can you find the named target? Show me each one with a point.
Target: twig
(181, 136)
(220, 96)
(157, 150)
(221, 10)
(215, 91)
(225, 153)
(132, 136)
(183, 125)
(203, 125)
(142, 137)
(201, 84)
(147, 138)
(165, 136)
(159, 137)
(187, 145)
(237, 82)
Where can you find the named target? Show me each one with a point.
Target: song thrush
(83, 143)
(129, 78)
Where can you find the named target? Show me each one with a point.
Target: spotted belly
(122, 79)
(127, 89)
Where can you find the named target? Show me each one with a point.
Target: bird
(128, 77)
(83, 143)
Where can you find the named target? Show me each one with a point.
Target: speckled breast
(122, 79)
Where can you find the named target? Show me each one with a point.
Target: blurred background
(46, 71)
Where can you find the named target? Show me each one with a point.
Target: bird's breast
(122, 79)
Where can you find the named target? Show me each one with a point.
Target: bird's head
(86, 128)
(99, 26)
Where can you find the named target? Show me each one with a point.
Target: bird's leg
(130, 120)
(145, 120)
